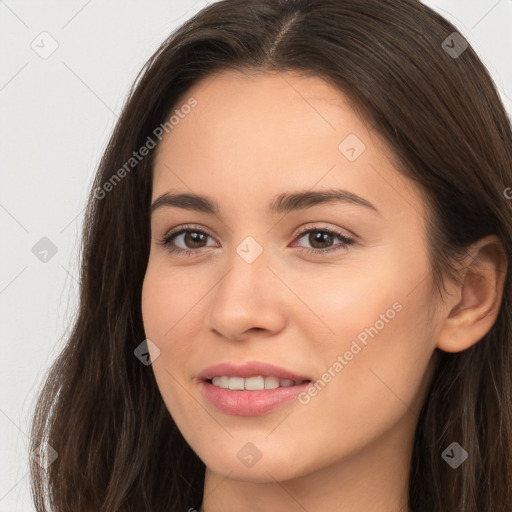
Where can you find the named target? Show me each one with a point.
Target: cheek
(157, 302)
(167, 314)
(168, 300)
(368, 389)
(376, 353)
(164, 314)
(352, 296)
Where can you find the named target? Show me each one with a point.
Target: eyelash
(166, 240)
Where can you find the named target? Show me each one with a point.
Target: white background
(56, 116)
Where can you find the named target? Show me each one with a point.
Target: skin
(252, 137)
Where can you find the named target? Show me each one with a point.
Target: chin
(267, 469)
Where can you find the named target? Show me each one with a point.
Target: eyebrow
(283, 203)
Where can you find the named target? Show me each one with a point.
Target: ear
(473, 307)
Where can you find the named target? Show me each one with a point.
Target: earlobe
(475, 305)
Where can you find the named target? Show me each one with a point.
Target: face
(331, 290)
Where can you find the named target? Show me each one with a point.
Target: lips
(251, 369)
(247, 400)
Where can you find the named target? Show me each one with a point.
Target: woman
(217, 363)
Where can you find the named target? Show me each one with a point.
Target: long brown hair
(100, 409)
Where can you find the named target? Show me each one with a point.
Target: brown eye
(322, 240)
(318, 239)
(194, 239)
(190, 239)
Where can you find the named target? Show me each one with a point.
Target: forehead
(253, 135)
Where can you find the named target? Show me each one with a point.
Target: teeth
(252, 383)
(271, 382)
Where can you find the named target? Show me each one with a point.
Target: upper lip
(250, 369)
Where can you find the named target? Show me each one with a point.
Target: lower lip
(250, 403)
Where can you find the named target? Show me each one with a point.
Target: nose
(248, 301)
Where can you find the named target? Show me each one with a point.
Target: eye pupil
(194, 238)
(319, 237)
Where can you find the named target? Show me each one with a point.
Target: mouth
(252, 388)
(247, 397)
